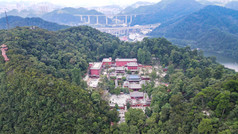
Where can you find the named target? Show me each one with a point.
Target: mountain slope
(69, 16)
(212, 28)
(164, 11)
(131, 8)
(41, 86)
(15, 21)
(42, 91)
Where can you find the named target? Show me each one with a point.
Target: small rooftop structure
(113, 74)
(134, 86)
(136, 95)
(129, 60)
(133, 78)
(107, 62)
(132, 64)
(3, 46)
(145, 77)
(107, 59)
(97, 65)
(119, 77)
(120, 68)
(140, 101)
(126, 84)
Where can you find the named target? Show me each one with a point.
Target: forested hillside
(213, 28)
(15, 21)
(163, 11)
(42, 89)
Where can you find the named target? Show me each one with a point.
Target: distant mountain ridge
(15, 21)
(164, 11)
(214, 2)
(68, 15)
(132, 7)
(212, 28)
(26, 9)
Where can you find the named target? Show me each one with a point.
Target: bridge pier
(126, 19)
(88, 19)
(106, 20)
(97, 19)
(116, 19)
(130, 19)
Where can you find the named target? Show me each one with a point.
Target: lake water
(224, 60)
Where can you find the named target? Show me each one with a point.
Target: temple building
(134, 87)
(107, 61)
(132, 66)
(95, 69)
(123, 62)
(133, 78)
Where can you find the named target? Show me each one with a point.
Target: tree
(148, 111)
(124, 128)
(153, 75)
(134, 117)
(231, 85)
(128, 105)
(140, 56)
(95, 97)
(206, 127)
(116, 106)
(222, 103)
(76, 76)
(218, 72)
(165, 111)
(158, 100)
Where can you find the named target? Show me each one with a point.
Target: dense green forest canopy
(42, 90)
(213, 28)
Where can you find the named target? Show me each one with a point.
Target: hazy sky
(85, 2)
(90, 3)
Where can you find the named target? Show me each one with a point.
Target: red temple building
(4, 49)
(95, 69)
(123, 62)
(90, 64)
(132, 66)
(120, 70)
(133, 78)
(134, 87)
(107, 61)
(137, 95)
